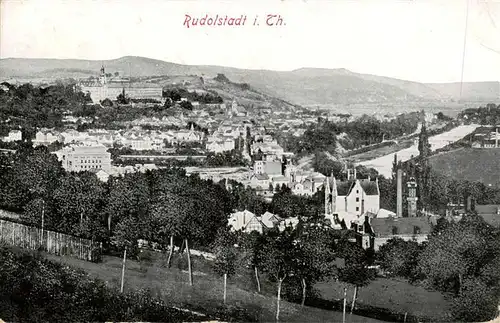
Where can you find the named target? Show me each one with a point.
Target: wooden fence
(29, 237)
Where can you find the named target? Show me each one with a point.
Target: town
(320, 161)
(180, 167)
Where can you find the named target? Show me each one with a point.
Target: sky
(417, 40)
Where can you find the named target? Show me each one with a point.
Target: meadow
(382, 300)
(471, 164)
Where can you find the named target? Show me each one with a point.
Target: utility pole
(464, 49)
(43, 219)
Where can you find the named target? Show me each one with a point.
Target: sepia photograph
(250, 161)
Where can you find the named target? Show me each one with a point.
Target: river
(384, 164)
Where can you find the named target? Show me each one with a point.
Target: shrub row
(34, 289)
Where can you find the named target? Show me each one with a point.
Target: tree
(388, 193)
(127, 196)
(476, 303)
(314, 255)
(400, 258)
(190, 208)
(166, 222)
(249, 244)
(78, 205)
(423, 168)
(323, 164)
(33, 174)
(246, 198)
(355, 271)
(125, 236)
(186, 105)
(276, 256)
(122, 98)
(440, 227)
(172, 216)
(460, 251)
(225, 256)
(107, 103)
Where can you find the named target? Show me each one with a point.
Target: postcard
(249, 161)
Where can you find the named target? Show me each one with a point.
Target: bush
(400, 258)
(36, 290)
(476, 302)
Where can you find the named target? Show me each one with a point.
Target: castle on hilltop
(101, 88)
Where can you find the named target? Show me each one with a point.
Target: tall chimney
(496, 137)
(399, 201)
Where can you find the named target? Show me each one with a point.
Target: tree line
(487, 115)
(176, 94)
(294, 259)
(365, 130)
(31, 106)
(460, 259)
(82, 205)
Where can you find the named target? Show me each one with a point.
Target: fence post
(29, 237)
(345, 300)
(123, 268)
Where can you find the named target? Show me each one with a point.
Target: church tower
(412, 197)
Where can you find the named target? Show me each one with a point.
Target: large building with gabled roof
(348, 202)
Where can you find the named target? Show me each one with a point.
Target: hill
(482, 165)
(305, 86)
(471, 90)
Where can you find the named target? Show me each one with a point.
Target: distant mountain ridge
(304, 86)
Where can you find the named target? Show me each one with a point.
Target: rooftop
(384, 226)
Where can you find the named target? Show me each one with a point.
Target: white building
(84, 157)
(14, 135)
(239, 220)
(220, 145)
(246, 221)
(70, 136)
(46, 137)
(348, 202)
(270, 220)
(142, 142)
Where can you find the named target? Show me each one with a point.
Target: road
(384, 164)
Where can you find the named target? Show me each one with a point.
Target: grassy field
(172, 285)
(472, 164)
(395, 295)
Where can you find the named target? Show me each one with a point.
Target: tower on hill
(102, 77)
